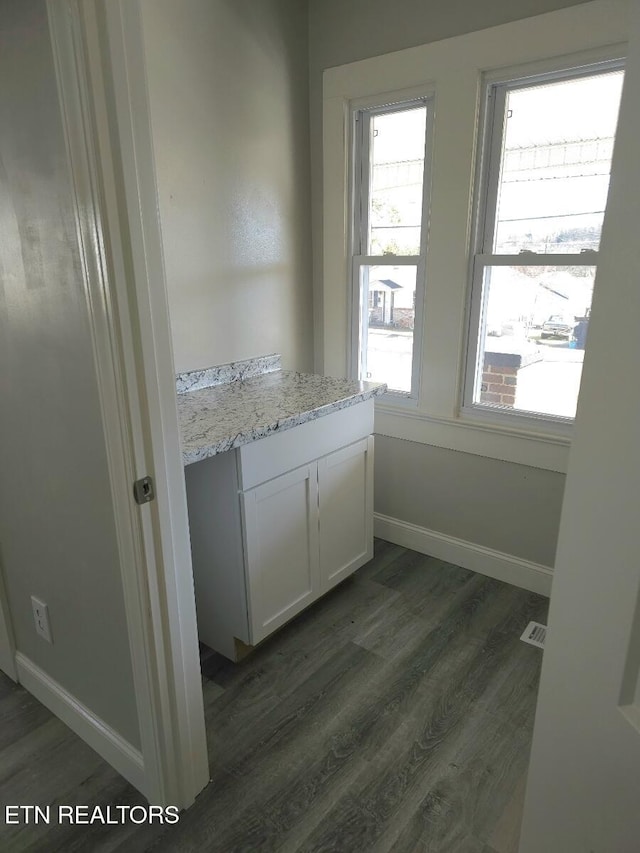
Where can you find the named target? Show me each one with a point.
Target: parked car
(558, 326)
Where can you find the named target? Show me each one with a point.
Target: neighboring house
(392, 304)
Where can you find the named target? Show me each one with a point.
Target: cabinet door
(281, 548)
(345, 482)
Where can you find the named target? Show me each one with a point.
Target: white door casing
(7, 643)
(100, 71)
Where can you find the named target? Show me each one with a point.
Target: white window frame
(452, 69)
(496, 86)
(361, 116)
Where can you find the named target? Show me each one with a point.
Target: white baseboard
(477, 558)
(118, 752)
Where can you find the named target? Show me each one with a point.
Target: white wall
(57, 531)
(228, 87)
(484, 501)
(477, 507)
(584, 783)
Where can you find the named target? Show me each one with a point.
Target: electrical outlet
(41, 618)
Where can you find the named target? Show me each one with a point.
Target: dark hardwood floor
(394, 715)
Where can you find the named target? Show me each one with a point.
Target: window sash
(362, 119)
(360, 313)
(361, 183)
(488, 178)
(496, 92)
(474, 367)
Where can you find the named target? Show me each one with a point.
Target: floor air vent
(535, 634)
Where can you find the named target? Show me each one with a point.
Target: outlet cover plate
(41, 619)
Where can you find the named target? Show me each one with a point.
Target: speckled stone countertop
(228, 414)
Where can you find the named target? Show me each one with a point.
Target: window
(545, 177)
(389, 242)
(437, 370)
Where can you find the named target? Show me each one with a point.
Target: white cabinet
(281, 548)
(277, 523)
(345, 486)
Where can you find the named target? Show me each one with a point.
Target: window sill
(398, 400)
(480, 437)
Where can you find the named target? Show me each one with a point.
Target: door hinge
(143, 490)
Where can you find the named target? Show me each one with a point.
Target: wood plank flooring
(394, 715)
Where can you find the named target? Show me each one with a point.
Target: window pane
(556, 160)
(396, 175)
(388, 297)
(532, 338)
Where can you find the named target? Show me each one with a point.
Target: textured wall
(57, 530)
(228, 84)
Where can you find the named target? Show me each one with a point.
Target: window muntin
(389, 242)
(546, 177)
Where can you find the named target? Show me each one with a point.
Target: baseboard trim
(111, 746)
(477, 558)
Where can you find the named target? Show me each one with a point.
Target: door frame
(97, 48)
(7, 639)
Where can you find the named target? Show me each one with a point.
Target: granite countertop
(232, 405)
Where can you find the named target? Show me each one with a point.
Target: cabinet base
(241, 649)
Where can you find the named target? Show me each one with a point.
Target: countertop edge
(189, 457)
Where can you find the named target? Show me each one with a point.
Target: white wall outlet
(41, 618)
